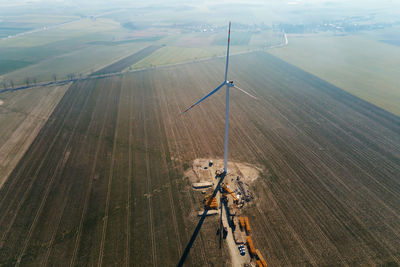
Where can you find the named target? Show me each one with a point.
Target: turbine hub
(230, 83)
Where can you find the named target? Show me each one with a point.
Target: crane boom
(226, 188)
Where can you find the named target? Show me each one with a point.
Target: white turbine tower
(227, 84)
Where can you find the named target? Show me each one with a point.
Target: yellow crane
(227, 190)
(210, 202)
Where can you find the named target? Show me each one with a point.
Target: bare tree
(27, 81)
(54, 77)
(4, 84)
(34, 80)
(12, 83)
(80, 76)
(71, 76)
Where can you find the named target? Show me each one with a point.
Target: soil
(201, 171)
(12, 150)
(331, 196)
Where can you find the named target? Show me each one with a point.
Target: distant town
(345, 25)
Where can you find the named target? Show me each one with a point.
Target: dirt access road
(237, 260)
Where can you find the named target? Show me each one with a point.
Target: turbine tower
(228, 84)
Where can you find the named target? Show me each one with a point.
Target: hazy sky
(251, 11)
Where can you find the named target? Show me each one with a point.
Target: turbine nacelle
(230, 84)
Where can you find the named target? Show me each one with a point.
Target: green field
(360, 64)
(197, 46)
(83, 61)
(175, 54)
(7, 31)
(79, 47)
(84, 45)
(8, 65)
(240, 38)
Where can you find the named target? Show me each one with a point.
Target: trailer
(261, 258)
(250, 244)
(248, 228)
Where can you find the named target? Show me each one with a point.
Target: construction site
(229, 203)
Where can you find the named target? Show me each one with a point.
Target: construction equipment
(241, 223)
(248, 228)
(250, 244)
(210, 202)
(218, 173)
(261, 258)
(226, 189)
(245, 193)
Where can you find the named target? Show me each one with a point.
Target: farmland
(103, 181)
(64, 50)
(361, 64)
(22, 115)
(50, 43)
(175, 54)
(128, 61)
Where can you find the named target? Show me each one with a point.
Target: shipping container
(248, 228)
(241, 222)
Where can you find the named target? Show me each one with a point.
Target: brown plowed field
(120, 65)
(22, 115)
(102, 182)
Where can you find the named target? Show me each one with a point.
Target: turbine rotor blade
(243, 91)
(203, 98)
(227, 52)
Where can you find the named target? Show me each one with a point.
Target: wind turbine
(228, 84)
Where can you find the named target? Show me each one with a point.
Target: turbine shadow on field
(198, 227)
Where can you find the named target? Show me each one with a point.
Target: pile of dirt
(202, 172)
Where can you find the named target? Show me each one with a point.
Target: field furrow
(103, 183)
